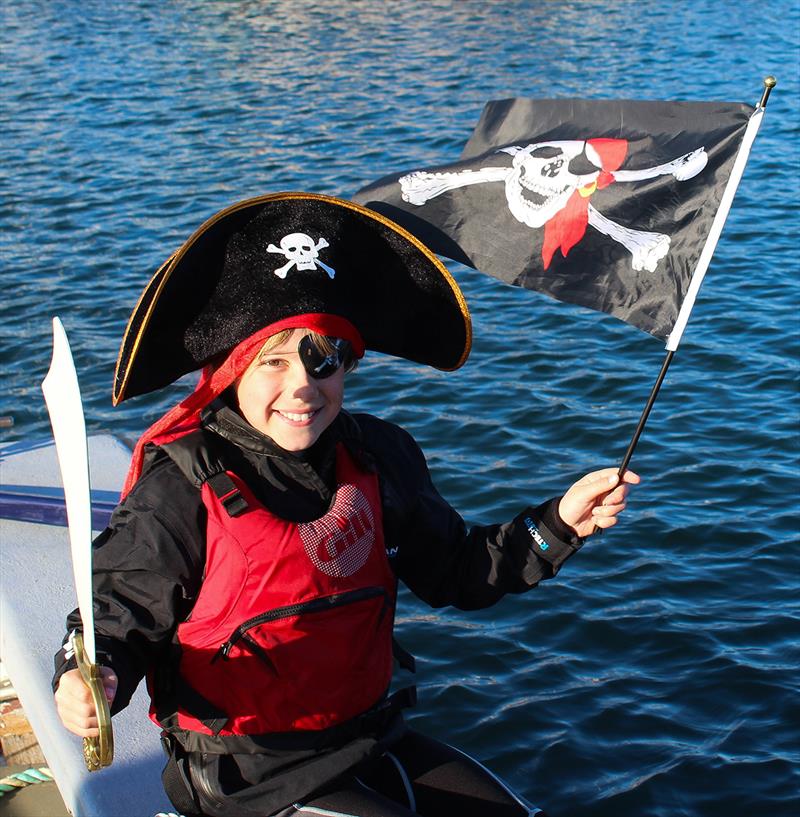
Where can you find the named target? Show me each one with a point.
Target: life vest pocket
(247, 630)
(323, 660)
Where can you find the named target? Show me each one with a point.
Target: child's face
(277, 396)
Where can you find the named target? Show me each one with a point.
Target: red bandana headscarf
(214, 380)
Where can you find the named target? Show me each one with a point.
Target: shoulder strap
(201, 460)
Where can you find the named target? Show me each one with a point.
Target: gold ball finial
(769, 83)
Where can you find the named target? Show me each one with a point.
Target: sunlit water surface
(658, 674)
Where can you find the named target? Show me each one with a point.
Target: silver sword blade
(63, 398)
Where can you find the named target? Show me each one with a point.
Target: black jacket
(149, 562)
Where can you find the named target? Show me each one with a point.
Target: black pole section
(646, 413)
(643, 419)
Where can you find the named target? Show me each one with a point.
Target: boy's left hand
(596, 500)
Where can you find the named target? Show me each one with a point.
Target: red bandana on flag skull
(566, 228)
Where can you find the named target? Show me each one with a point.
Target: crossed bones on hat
(302, 253)
(545, 175)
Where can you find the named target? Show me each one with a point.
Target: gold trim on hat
(119, 388)
(164, 271)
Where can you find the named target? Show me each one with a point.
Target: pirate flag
(612, 205)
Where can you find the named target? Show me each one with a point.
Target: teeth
(547, 192)
(298, 418)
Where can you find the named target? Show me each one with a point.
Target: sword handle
(97, 752)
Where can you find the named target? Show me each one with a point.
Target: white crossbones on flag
(549, 185)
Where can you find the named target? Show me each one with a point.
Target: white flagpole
(719, 219)
(702, 265)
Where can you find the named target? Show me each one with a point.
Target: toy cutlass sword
(63, 398)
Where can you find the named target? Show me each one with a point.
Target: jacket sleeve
(147, 569)
(431, 549)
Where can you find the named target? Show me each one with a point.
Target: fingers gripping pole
(643, 419)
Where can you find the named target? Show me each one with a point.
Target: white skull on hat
(302, 253)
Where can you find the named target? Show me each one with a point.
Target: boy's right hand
(74, 701)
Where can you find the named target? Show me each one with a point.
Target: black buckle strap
(227, 493)
(175, 778)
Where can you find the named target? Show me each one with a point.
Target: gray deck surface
(36, 592)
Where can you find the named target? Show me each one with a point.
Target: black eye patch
(582, 166)
(318, 364)
(546, 152)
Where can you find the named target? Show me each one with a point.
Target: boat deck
(36, 593)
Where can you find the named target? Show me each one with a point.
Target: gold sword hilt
(99, 751)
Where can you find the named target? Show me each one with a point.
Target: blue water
(658, 674)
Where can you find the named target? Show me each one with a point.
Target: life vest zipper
(319, 605)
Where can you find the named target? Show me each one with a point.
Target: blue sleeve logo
(534, 532)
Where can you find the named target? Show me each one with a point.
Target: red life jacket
(292, 628)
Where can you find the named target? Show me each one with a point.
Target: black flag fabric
(606, 204)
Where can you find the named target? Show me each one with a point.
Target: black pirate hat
(267, 259)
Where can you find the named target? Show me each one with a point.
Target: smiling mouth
(535, 195)
(298, 417)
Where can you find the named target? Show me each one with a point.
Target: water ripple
(657, 675)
